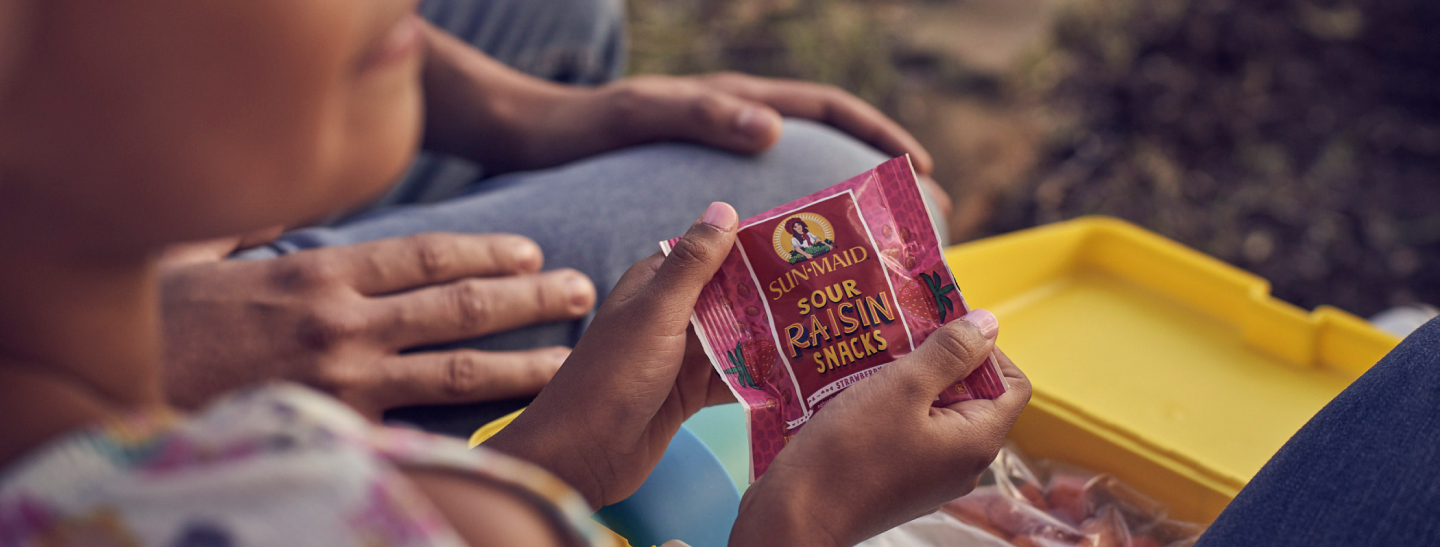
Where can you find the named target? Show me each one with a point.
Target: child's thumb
(949, 355)
(692, 260)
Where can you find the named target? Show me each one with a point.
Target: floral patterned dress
(271, 466)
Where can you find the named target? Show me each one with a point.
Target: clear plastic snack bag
(1023, 504)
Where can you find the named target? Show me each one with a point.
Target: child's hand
(878, 454)
(635, 376)
(340, 318)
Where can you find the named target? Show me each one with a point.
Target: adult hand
(635, 376)
(730, 111)
(739, 113)
(505, 120)
(878, 454)
(337, 318)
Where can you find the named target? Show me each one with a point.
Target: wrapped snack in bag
(1073, 508)
(821, 292)
(1012, 507)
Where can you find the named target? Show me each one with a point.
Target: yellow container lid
(1173, 370)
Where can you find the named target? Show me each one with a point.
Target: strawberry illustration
(915, 297)
(759, 357)
(926, 297)
(752, 361)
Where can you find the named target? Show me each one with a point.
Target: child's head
(133, 123)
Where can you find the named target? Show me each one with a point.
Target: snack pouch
(821, 292)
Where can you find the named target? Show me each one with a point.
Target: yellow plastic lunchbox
(1172, 370)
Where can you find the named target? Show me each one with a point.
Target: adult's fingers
(659, 108)
(950, 354)
(830, 105)
(397, 264)
(461, 376)
(475, 307)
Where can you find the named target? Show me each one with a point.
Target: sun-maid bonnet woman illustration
(804, 244)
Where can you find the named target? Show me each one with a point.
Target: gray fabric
(602, 214)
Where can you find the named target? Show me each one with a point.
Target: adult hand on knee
(731, 111)
(635, 376)
(506, 121)
(742, 113)
(337, 318)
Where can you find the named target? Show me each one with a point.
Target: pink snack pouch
(820, 293)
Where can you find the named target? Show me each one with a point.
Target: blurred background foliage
(1297, 139)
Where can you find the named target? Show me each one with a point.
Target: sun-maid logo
(803, 236)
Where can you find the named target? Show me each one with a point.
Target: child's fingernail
(559, 356)
(985, 321)
(527, 255)
(756, 122)
(581, 292)
(720, 215)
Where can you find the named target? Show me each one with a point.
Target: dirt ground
(1296, 139)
